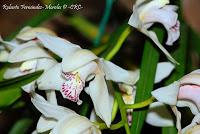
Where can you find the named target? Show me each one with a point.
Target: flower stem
(114, 110)
(112, 126)
(122, 108)
(140, 104)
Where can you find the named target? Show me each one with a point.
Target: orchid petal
(29, 87)
(98, 91)
(24, 29)
(45, 63)
(117, 74)
(134, 20)
(173, 33)
(190, 92)
(170, 8)
(153, 4)
(191, 78)
(193, 127)
(87, 70)
(187, 103)
(51, 79)
(168, 94)
(45, 124)
(50, 110)
(154, 38)
(14, 71)
(196, 71)
(162, 16)
(27, 51)
(94, 117)
(28, 65)
(51, 96)
(77, 59)
(57, 45)
(158, 115)
(30, 33)
(34, 132)
(128, 89)
(74, 125)
(163, 70)
(178, 118)
(10, 45)
(4, 56)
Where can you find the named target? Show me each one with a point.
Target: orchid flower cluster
(81, 70)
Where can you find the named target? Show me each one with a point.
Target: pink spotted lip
(175, 27)
(72, 87)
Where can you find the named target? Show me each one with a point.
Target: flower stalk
(140, 104)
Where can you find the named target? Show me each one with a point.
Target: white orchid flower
(25, 35)
(61, 120)
(148, 12)
(181, 93)
(79, 66)
(194, 130)
(128, 92)
(27, 57)
(163, 70)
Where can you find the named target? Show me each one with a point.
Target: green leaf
(9, 96)
(116, 40)
(169, 130)
(150, 59)
(84, 109)
(21, 126)
(20, 81)
(3, 68)
(10, 90)
(194, 41)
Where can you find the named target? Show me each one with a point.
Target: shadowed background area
(65, 25)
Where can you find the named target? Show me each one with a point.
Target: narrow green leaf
(10, 90)
(150, 59)
(116, 40)
(169, 130)
(194, 51)
(84, 109)
(3, 67)
(9, 96)
(195, 41)
(21, 126)
(114, 43)
(20, 81)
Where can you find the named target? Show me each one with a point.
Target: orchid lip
(72, 87)
(190, 92)
(175, 27)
